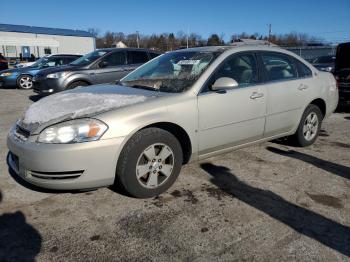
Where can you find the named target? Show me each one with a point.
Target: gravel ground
(269, 202)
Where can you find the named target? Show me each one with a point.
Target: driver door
(111, 68)
(232, 117)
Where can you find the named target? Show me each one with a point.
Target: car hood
(21, 70)
(82, 102)
(63, 68)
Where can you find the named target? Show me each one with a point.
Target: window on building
(47, 51)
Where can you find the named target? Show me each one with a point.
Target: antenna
(188, 32)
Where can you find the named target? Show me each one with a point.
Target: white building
(40, 41)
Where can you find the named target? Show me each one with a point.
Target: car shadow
(336, 169)
(35, 98)
(304, 221)
(19, 241)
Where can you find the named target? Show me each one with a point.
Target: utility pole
(137, 39)
(270, 31)
(188, 32)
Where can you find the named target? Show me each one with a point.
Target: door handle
(302, 87)
(256, 95)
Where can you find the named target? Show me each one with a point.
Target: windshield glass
(173, 72)
(324, 59)
(88, 58)
(40, 62)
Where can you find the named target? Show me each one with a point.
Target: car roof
(126, 49)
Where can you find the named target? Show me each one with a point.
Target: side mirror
(103, 64)
(224, 83)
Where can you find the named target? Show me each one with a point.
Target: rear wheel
(76, 84)
(25, 82)
(149, 163)
(309, 126)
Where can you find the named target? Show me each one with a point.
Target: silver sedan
(182, 106)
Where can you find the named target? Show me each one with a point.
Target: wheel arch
(180, 134)
(321, 104)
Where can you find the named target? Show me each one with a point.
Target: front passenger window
(242, 68)
(278, 66)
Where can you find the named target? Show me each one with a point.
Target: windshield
(173, 72)
(324, 60)
(88, 58)
(40, 62)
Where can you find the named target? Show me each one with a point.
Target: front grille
(56, 175)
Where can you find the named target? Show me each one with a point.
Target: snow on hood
(83, 102)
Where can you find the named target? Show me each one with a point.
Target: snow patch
(75, 105)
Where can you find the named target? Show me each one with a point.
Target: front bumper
(344, 94)
(45, 86)
(65, 166)
(8, 81)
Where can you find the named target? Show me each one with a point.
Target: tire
(76, 84)
(25, 82)
(301, 137)
(133, 163)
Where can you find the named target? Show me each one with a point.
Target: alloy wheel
(155, 165)
(310, 127)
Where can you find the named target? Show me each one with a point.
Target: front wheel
(149, 163)
(25, 82)
(309, 126)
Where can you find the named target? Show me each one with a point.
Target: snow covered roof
(43, 30)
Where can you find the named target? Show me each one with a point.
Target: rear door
(110, 68)
(287, 93)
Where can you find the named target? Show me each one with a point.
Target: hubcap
(155, 165)
(25, 82)
(310, 126)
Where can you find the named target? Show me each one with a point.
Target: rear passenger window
(115, 59)
(303, 70)
(278, 66)
(137, 57)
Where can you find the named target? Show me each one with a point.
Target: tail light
(337, 81)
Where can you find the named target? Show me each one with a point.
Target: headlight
(6, 74)
(75, 131)
(57, 75)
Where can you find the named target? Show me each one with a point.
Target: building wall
(67, 44)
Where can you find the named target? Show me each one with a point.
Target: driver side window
(240, 67)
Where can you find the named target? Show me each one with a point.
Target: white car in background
(182, 106)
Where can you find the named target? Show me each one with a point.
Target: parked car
(22, 77)
(101, 66)
(342, 73)
(182, 106)
(324, 63)
(3, 63)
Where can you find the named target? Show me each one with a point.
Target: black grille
(22, 132)
(56, 175)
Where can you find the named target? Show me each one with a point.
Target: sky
(326, 19)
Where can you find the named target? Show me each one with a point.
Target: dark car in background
(342, 73)
(3, 63)
(22, 77)
(100, 66)
(325, 63)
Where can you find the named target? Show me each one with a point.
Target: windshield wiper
(144, 87)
